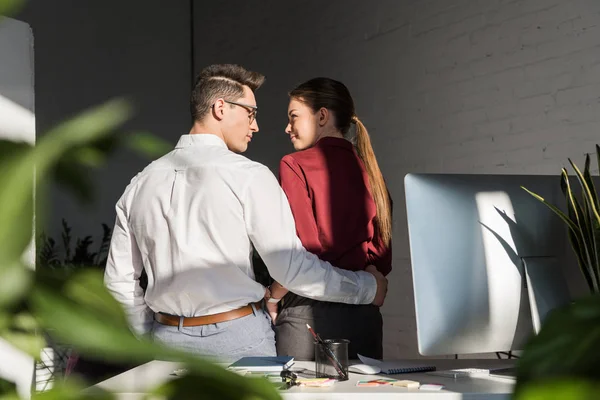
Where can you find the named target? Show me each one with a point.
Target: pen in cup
(334, 360)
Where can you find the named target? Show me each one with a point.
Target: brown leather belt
(173, 320)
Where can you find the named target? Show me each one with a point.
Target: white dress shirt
(190, 219)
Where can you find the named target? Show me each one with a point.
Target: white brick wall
(465, 86)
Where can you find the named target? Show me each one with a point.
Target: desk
(134, 383)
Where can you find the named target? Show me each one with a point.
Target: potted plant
(563, 360)
(582, 219)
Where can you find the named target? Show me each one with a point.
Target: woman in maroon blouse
(342, 211)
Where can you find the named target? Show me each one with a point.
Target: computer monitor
(486, 259)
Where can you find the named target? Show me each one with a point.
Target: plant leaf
(587, 175)
(17, 178)
(575, 235)
(587, 191)
(15, 282)
(591, 220)
(572, 205)
(586, 235)
(95, 335)
(8, 390)
(73, 390)
(30, 343)
(567, 345)
(75, 180)
(189, 385)
(24, 321)
(562, 389)
(570, 224)
(583, 266)
(573, 211)
(148, 144)
(585, 243)
(9, 7)
(84, 288)
(594, 227)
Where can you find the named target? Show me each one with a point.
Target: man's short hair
(221, 81)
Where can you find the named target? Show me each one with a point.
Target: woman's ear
(323, 116)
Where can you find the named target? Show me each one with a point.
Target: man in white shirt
(190, 219)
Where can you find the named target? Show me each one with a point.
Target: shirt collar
(200, 139)
(334, 141)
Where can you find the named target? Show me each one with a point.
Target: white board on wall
(17, 122)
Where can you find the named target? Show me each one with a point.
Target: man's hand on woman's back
(382, 285)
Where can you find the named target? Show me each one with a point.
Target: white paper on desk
(396, 367)
(369, 361)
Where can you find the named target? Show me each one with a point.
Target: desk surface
(135, 382)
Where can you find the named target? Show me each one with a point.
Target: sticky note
(431, 386)
(407, 384)
(367, 383)
(316, 382)
(384, 381)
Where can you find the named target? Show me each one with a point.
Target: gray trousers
(251, 335)
(362, 325)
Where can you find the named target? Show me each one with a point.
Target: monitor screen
(470, 239)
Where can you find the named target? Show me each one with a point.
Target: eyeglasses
(251, 113)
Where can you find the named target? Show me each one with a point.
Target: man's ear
(218, 109)
(324, 116)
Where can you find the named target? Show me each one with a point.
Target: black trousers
(362, 325)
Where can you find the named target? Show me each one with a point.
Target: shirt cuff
(141, 324)
(367, 288)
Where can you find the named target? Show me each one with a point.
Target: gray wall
(443, 86)
(88, 52)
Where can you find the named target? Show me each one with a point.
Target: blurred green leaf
(87, 288)
(96, 333)
(102, 331)
(4, 321)
(89, 126)
(7, 389)
(11, 395)
(90, 157)
(75, 180)
(9, 7)
(15, 282)
(562, 389)
(13, 150)
(188, 387)
(568, 345)
(25, 322)
(30, 343)
(149, 145)
(73, 390)
(17, 177)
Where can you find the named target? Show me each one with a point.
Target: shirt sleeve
(270, 226)
(381, 257)
(379, 254)
(294, 186)
(122, 274)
